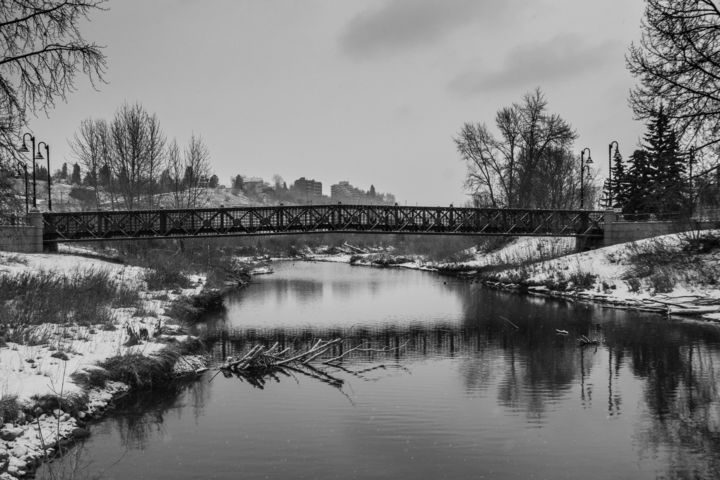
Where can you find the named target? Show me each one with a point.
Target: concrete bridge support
(24, 237)
(617, 231)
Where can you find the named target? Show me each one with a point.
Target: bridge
(282, 220)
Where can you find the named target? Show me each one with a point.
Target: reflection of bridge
(278, 220)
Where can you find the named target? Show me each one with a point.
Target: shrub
(140, 371)
(31, 298)
(648, 257)
(166, 276)
(71, 403)
(93, 377)
(700, 242)
(583, 280)
(60, 355)
(9, 409)
(662, 282)
(633, 284)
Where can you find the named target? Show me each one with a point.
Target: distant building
(253, 184)
(344, 192)
(304, 187)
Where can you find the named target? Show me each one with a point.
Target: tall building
(346, 193)
(307, 187)
(343, 192)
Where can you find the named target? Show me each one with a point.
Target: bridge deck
(278, 220)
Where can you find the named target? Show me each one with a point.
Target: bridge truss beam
(279, 220)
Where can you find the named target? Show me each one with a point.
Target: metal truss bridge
(279, 220)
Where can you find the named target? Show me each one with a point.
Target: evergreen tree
(238, 182)
(166, 181)
(76, 178)
(619, 182)
(41, 173)
(104, 176)
(640, 188)
(213, 181)
(670, 186)
(189, 177)
(89, 179)
(605, 199)
(655, 181)
(64, 172)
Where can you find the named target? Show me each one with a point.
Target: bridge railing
(272, 220)
(11, 220)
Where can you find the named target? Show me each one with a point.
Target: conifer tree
(620, 182)
(640, 188)
(656, 180)
(75, 178)
(104, 175)
(669, 182)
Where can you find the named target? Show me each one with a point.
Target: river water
(474, 383)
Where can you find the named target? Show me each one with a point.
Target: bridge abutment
(25, 236)
(615, 230)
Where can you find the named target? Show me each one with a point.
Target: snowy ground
(547, 262)
(43, 365)
(685, 285)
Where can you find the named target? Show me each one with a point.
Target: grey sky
(370, 92)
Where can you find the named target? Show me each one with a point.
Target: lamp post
(40, 157)
(24, 149)
(22, 166)
(610, 188)
(583, 162)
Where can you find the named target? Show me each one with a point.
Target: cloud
(409, 24)
(557, 59)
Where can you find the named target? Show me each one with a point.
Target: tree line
(130, 159)
(655, 179)
(530, 162)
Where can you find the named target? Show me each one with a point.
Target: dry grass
(32, 298)
(9, 409)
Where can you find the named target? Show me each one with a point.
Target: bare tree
(90, 146)
(137, 153)
(156, 157)
(41, 53)
(677, 63)
(511, 170)
(188, 172)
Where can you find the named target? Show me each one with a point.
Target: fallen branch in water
(584, 341)
(261, 364)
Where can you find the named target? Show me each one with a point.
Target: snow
(43, 364)
(27, 370)
(523, 249)
(548, 260)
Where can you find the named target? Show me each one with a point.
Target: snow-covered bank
(675, 274)
(41, 370)
(664, 274)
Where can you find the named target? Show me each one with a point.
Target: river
(481, 386)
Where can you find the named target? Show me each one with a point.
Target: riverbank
(676, 274)
(54, 377)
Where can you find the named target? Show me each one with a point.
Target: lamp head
(589, 160)
(39, 156)
(23, 148)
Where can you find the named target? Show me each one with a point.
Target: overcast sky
(372, 92)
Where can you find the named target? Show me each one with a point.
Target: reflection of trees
(140, 415)
(510, 340)
(538, 365)
(678, 363)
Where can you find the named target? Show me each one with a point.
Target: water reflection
(483, 385)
